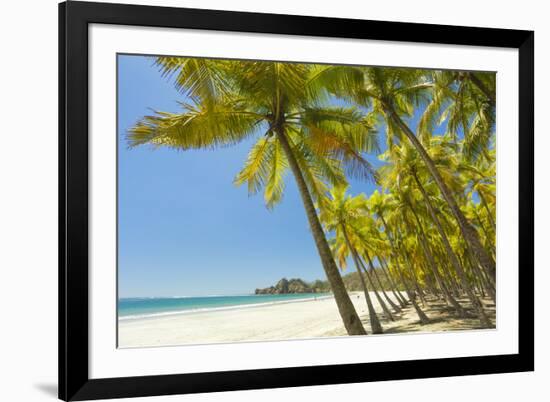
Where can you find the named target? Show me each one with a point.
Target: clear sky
(184, 228)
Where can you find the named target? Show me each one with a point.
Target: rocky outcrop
(285, 286)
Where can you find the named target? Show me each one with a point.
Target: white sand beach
(291, 320)
(297, 319)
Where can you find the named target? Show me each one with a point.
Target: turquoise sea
(143, 307)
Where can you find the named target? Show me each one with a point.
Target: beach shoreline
(296, 319)
(147, 316)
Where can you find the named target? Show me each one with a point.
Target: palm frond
(204, 126)
(255, 171)
(275, 184)
(344, 134)
(196, 77)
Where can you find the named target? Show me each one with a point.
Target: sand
(291, 320)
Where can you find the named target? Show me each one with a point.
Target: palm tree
(429, 256)
(283, 104)
(377, 278)
(370, 241)
(380, 205)
(480, 177)
(391, 93)
(452, 256)
(368, 274)
(394, 288)
(339, 214)
(413, 256)
(466, 100)
(406, 168)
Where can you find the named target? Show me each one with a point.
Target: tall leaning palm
(280, 104)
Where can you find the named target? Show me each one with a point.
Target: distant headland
(295, 285)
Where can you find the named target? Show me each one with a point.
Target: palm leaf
(275, 184)
(256, 168)
(199, 126)
(196, 77)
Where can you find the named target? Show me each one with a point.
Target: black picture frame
(74, 381)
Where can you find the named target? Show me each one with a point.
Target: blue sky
(184, 228)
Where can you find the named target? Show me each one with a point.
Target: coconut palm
(381, 205)
(382, 255)
(452, 256)
(339, 214)
(393, 286)
(480, 178)
(370, 242)
(466, 101)
(419, 232)
(372, 272)
(407, 168)
(391, 95)
(282, 104)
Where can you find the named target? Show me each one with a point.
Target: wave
(134, 298)
(222, 308)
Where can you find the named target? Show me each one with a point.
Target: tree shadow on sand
(442, 318)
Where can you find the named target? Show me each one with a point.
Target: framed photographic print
(258, 201)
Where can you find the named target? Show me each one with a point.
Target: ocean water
(144, 307)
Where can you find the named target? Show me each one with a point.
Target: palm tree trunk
(385, 308)
(412, 297)
(429, 280)
(377, 278)
(399, 297)
(431, 263)
(409, 265)
(483, 278)
(449, 276)
(483, 274)
(412, 272)
(373, 317)
(478, 307)
(486, 206)
(486, 233)
(468, 231)
(395, 307)
(414, 277)
(351, 320)
(478, 282)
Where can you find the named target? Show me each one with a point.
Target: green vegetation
(430, 226)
